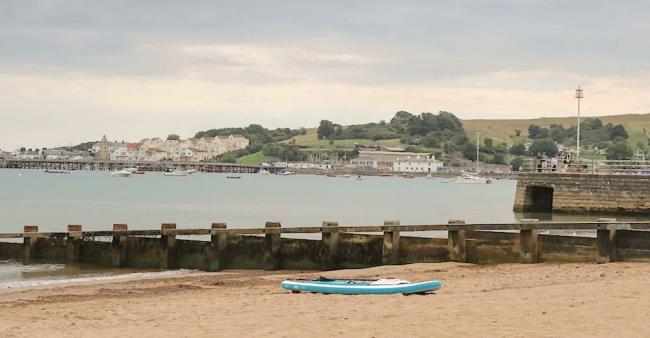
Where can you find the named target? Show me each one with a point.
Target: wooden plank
(641, 225)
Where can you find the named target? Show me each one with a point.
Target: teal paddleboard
(356, 287)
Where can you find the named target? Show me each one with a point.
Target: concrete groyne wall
(339, 247)
(583, 193)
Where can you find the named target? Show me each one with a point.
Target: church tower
(103, 150)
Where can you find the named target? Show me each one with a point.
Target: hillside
(504, 130)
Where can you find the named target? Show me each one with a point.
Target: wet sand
(511, 300)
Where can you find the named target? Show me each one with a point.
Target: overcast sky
(72, 71)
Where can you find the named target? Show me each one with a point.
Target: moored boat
(121, 173)
(176, 173)
(57, 171)
(471, 179)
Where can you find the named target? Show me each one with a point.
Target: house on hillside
(57, 154)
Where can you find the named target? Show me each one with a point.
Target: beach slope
(476, 300)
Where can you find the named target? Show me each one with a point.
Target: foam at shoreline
(99, 277)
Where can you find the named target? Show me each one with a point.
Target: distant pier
(141, 165)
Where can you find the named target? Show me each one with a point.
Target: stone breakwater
(583, 193)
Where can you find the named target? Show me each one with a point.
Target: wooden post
(390, 249)
(218, 243)
(330, 245)
(272, 246)
(528, 235)
(456, 237)
(73, 242)
(29, 242)
(606, 240)
(167, 243)
(118, 248)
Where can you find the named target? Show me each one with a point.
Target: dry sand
(512, 300)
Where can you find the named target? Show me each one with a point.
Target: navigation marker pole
(579, 95)
(478, 144)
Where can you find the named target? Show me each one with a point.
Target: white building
(399, 161)
(418, 164)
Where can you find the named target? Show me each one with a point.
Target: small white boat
(57, 171)
(284, 173)
(359, 178)
(130, 169)
(121, 173)
(471, 179)
(191, 171)
(264, 172)
(176, 173)
(345, 176)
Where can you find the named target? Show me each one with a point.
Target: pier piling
(606, 241)
(272, 245)
(390, 251)
(118, 247)
(29, 242)
(456, 237)
(73, 242)
(218, 242)
(528, 239)
(167, 245)
(330, 237)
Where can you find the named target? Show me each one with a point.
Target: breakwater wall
(583, 193)
(339, 247)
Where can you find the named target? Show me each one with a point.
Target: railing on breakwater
(587, 166)
(339, 246)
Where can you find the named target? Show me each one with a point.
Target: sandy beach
(509, 300)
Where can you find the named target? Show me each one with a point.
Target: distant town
(407, 143)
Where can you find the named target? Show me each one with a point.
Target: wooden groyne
(339, 246)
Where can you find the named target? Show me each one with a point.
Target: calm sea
(97, 200)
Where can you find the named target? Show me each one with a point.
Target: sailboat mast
(478, 145)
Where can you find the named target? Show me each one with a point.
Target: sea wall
(583, 193)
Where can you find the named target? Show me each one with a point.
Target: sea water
(97, 200)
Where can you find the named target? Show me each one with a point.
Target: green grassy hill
(504, 130)
(500, 130)
(310, 140)
(637, 126)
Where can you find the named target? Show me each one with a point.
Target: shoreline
(476, 300)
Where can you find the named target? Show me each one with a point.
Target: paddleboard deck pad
(360, 287)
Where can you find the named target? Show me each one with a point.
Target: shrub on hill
(592, 133)
(255, 133)
(619, 150)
